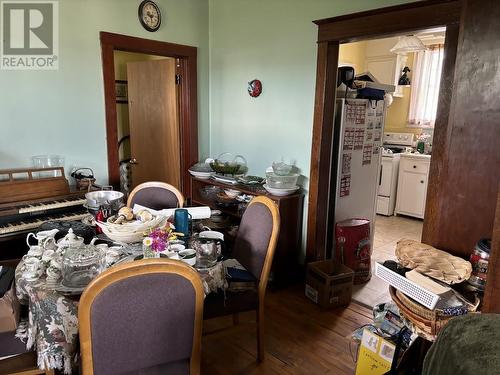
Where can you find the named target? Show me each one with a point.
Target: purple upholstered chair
(17, 359)
(156, 195)
(143, 317)
(254, 248)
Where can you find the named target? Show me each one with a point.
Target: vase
(149, 253)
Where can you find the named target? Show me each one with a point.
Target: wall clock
(149, 15)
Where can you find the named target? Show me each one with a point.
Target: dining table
(52, 324)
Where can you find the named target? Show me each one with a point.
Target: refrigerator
(359, 128)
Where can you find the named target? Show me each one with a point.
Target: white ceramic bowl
(176, 247)
(202, 175)
(190, 254)
(281, 192)
(232, 193)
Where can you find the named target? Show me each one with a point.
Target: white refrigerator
(358, 154)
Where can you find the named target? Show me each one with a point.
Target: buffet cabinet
(285, 267)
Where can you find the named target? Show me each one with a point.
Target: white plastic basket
(408, 287)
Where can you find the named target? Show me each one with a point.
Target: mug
(181, 221)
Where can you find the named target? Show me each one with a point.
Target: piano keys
(30, 201)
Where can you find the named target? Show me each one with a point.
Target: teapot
(71, 240)
(81, 263)
(208, 248)
(46, 239)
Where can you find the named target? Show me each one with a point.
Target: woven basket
(426, 323)
(432, 262)
(425, 327)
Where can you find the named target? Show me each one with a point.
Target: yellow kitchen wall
(397, 114)
(353, 53)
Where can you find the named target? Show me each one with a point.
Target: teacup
(53, 273)
(188, 256)
(176, 247)
(48, 255)
(35, 251)
(31, 265)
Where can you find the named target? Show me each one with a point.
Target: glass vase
(149, 253)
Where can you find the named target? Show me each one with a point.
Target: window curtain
(425, 86)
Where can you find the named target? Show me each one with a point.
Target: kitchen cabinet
(285, 268)
(384, 65)
(412, 184)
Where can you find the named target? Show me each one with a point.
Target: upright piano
(29, 198)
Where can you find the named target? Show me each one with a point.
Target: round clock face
(149, 15)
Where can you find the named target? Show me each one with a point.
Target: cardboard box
(329, 283)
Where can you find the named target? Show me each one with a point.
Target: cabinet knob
(421, 181)
(133, 161)
(414, 166)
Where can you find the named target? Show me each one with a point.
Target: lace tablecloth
(52, 325)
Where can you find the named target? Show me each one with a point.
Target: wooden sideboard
(285, 267)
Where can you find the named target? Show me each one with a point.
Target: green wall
(62, 112)
(274, 41)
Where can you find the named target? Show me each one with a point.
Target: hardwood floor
(300, 338)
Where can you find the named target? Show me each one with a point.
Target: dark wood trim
(321, 154)
(188, 114)
(491, 304)
(332, 32)
(442, 135)
(390, 20)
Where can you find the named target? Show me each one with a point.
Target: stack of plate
(281, 192)
(281, 182)
(201, 170)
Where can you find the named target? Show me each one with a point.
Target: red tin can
(353, 247)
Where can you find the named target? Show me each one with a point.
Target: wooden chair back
(108, 309)
(156, 195)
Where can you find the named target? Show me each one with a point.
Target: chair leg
(236, 319)
(260, 334)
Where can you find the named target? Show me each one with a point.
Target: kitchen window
(425, 86)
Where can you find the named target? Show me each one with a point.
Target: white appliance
(388, 182)
(394, 144)
(358, 153)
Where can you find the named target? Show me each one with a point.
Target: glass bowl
(281, 168)
(281, 182)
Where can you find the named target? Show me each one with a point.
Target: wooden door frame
(188, 99)
(372, 24)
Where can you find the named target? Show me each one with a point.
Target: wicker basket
(426, 323)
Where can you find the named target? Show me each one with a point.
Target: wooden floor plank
(300, 338)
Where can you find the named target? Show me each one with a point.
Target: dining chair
(16, 359)
(254, 248)
(143, 317)
(156, 195)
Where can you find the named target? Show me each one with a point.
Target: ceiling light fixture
(407, 44)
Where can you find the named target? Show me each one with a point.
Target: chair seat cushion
(218, 304)
(172, 368)
(10, 344)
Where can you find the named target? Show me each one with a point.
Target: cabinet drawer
(416, 166)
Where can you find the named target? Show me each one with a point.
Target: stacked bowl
(280, 180)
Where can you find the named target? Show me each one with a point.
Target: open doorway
(182, 138)
(411, 64)
(147, 119)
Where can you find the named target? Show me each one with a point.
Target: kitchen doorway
(405, 144)
(181, 139)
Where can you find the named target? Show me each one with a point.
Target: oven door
(385, 177)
